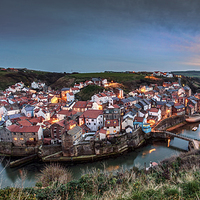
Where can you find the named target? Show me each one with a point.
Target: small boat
(194, 128)
(151, 165)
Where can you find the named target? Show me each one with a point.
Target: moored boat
(194, 128)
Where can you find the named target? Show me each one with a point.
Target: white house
(63, 114)
(74, 90)
(102, 134)
(157, 97)
(70, 96)
(104, 82)
(34, 85)
(3, 111)
(28, 110)
(155, 112)
(112, 126)
(93, 119)
(43, 113)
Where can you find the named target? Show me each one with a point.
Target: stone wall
(24, 151)
(46, 150)
(5, 148)
(108, 146)
(169, 122)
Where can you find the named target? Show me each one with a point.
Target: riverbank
(177, 177)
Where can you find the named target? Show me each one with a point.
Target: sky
(100, 35)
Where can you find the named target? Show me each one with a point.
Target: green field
(117, 76)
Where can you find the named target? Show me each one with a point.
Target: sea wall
(24, 151)
(169, 122)
(5, 148)
(46, 150)
(97, 149)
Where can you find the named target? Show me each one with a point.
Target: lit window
(31, 139)
(108, 122)
(114, 131)
(21, 138)
(15, 139)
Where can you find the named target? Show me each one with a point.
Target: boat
(193, 118)
(194, 128)
(151, 165)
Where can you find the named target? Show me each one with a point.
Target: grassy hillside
(87, 92)
(28, 76)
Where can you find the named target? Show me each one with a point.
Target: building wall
(5, 135)
(95, 124)
(19, 139)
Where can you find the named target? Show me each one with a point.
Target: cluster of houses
(164, 74)
(29, 117)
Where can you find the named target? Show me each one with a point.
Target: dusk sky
(99, 35)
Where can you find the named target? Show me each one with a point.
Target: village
(38, 117)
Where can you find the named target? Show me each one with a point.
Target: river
(154, 151)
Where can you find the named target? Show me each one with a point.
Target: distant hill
(190, 73)
(128, 81)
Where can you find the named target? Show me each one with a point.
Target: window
(114, 126)
(92, 120)
(114, 131)
(21, 139)
(31, 139)
(21, 133)
(108, 122)
(33, 133)
(15, 139)
(94, 123)
(14, 133)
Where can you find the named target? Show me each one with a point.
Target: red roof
(23, 129)
(80, 104)
(74, 89)
(71, 93)
(64, 112)
(138, 119)
(24, 123)
(115, 106)
(92, 114)
(102, 131)
(153, 110)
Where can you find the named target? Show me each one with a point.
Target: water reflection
(154, 151)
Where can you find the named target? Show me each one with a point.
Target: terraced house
(24, 135)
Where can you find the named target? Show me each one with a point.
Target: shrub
(54, 173)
